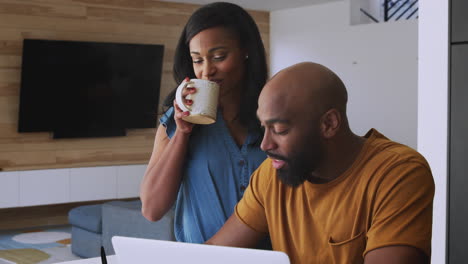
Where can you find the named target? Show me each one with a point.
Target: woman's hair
(238, 21)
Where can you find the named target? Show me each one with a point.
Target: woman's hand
(184, 126)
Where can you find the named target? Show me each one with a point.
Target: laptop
(130, 250)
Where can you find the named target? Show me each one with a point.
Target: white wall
(377, 62)
(433, 109)
(372, 7)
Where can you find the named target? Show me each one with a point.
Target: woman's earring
(246, 57)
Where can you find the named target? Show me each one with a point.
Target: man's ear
(330, 123)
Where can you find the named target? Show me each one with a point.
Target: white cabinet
(9, 189)
(93, 183)
(54, 186)
(44, 187)
(129, 179)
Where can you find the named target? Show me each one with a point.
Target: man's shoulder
(390, 162)
(383, 150)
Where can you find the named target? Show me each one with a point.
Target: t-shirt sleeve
(167, 120)
(402, 213)
(251, 208)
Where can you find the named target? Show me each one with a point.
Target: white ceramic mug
(205, 101)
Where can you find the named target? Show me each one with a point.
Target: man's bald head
(307, 88)
(303, 112)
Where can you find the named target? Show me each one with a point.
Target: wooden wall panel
(121, 21)
(40, 216)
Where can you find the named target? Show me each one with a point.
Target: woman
(206, 168)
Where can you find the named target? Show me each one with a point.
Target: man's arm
(396, 255)
(235, 233)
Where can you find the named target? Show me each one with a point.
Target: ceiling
(265, 5)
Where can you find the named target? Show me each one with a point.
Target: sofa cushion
(85, 244)
(121, 218)
(132, 205)
(88, 217)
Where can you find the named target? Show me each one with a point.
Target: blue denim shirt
(216, 174)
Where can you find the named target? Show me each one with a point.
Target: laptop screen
(148, 251)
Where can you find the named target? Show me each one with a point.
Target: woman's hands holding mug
(182, 125)
(197, 99)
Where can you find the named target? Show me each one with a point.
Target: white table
(110, 260)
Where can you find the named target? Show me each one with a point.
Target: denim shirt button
(241, 162)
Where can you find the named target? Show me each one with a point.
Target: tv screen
(88, 89)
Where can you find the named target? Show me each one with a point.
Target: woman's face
(217, 56)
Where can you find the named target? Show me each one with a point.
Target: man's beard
(300, 163)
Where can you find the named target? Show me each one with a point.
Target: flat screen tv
(88, 89)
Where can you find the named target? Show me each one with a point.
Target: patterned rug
(36, 246)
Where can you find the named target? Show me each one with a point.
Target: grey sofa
(94, 226)
(125, 219)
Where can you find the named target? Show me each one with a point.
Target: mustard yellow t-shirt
(383, 199)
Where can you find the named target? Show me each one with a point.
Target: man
(326, 195)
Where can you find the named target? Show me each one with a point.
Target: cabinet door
(458, 170)
(459, 20)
